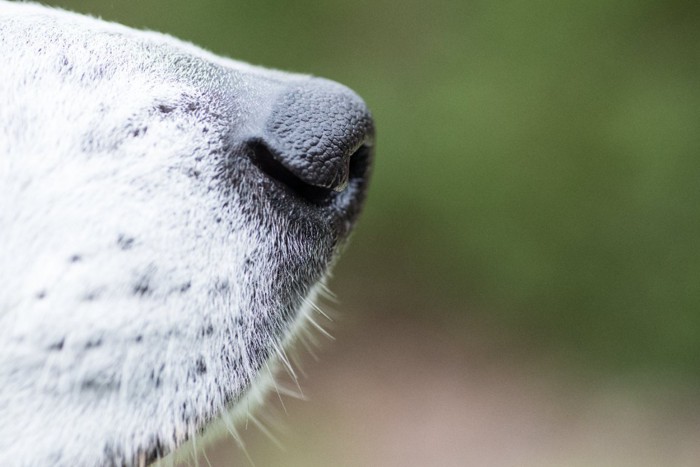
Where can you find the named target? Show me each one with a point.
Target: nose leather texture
(314, 130)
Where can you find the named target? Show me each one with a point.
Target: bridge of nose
(314, 128)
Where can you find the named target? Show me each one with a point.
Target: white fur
(144, 280)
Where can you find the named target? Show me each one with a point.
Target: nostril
(353, 167)
(264, 160)
(355, 171)
(359, 163)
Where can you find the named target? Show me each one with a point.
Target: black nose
(317, 137)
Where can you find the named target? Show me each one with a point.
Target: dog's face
(166, 217)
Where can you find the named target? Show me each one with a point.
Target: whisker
(267, 433)
(274, 383)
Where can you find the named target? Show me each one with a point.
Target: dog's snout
(316, 139)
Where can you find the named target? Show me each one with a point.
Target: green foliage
(538, 162)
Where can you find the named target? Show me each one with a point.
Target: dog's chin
(277, 379)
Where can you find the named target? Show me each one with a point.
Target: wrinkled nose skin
(315, 130)
(316, 138)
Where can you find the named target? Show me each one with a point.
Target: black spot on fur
(138, 338)
(75, 258)
(193, 173)
(136, 132)
(185, 287)
(95, 385)
(142, 286)
(208, 331)
(65, 67)
(57, 345)
(125, 242)
(40, 295)
(91, 296)
(93, 344)
(201, 366)
(155, 376)
(165, 109)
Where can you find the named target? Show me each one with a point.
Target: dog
(167, 219)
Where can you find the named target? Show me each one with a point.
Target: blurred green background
(536, 187)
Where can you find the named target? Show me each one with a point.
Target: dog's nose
(316, 138)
